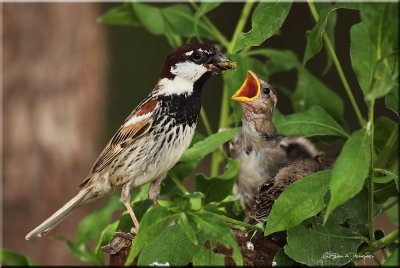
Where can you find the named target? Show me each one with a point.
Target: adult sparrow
(261, 152)
(153, 137)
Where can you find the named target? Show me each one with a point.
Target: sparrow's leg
(155, 190)
(126, 200)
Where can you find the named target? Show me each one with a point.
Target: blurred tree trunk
(53, 90)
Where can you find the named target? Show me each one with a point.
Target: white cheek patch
(189, 53)
(188, 70)
(177, 86)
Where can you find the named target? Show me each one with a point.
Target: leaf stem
(223, 119)
(239, 223)
(221, 38)
(206, 123)
(240, 25)
(370, 182)
(215, 160)
(390, 206)
(178, 183)
(381, 243)
(339, 69)
(385, 172)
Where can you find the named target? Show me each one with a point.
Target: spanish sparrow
(153, 137)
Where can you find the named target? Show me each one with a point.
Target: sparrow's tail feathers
(60, 214)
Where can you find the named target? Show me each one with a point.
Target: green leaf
(9, 257)
(266, 20)
(392, 100)
(330, 31)
(315, 244)
(149, 17)
(299, 201)
(314, 36)
(154, 221)
(279, 60)
(213, 228)
(350, 170)
(92, 225)
(187, 228)
(383, 127)
(393, 259)
(311, 91)
(373, 50)
(354, 211)
(216, 189)
(121, 15)
(171, 246)
(106, 236)
(208, 145)
(206, 257)
(314, 121)
(281, 259)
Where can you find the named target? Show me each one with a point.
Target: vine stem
(339, 69)
(381, 243)
(240, 25)
(370, 129)
(223, 122)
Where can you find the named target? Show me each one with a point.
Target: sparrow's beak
(219, 63)
(250, 89)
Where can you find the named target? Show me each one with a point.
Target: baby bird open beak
(250, 89)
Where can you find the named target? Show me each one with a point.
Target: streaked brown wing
(267, 194)
(123, 137)
(142, 118)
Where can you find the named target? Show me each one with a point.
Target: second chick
(262, 153)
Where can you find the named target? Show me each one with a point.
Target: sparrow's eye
(266, 90)
(198, 57)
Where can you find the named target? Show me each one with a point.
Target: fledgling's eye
(266, 90)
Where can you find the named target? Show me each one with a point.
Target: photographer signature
(333, 255)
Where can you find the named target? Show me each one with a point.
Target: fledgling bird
(261, 152)
(153, 137)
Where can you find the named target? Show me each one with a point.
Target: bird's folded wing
(135, 126)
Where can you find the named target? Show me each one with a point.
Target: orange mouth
(250, 89)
